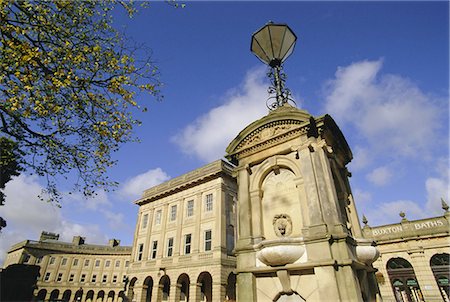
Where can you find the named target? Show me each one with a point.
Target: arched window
(131, 289)
(90, 296)
(41, 295)
(205, 280)
(111, 295)
(231, 288)
(147, 289)
(440, 265)
(183, 285)
(66, 295)
(54, 295)
(164, 286)
(404, 281)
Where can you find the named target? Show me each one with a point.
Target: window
(83, 278)
(107, 263)
(144, 221)
(208, 240)
(26, 258)
(140, 251)
(94, 278)
(209, 203)
(47, 277)
(86, 262)
(38, 260)
(105, 278)
(154, 248)
(71, 277)
(97, 263)
(190, 208)
(173, 213)
(169, 247)
(114, 279)
(158, 217)
(187, 244)
(117, 263)
(59, 278)
(64, 261)
(52, 260)
(75, 262)
(127, 263)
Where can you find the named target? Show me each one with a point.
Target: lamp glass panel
(277, 37)
(259, 52)
(288, 44)
(263, 39)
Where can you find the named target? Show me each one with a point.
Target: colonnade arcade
(183, 288)
(80, 295)
(404, 281)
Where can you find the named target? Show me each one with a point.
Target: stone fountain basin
(280, 254)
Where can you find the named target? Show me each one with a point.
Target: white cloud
(26, 216)
(390, 111)
(135, 186)
(362, 197)
(380, 176)
(388, 212)
(209, 135)
(361, 158)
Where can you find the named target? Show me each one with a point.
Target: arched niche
(280, 204)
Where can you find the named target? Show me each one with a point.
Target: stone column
(256, 214)
(194, 291)
(174, 292)
(244, 218)
(326, 282)
(218, 291)
(156, 291)
(316, 222)
(195, 239)
(246, 287)
(425, 277)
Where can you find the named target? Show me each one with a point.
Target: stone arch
(440, 265)
(268, 165)
(41, 295)
(403, 279)
(54, 294)
(89, 296)
(100, 296)
(78, 295)
(205, 279)
(66, 295)
(130, 294)
(164, 288)
(121, 296)
(183, 283)
(231, 288)
(147, 289)
(111, 296)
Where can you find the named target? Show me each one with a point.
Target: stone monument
(298, 236)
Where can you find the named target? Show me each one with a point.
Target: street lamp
(273, 44)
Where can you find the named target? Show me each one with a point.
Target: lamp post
(273, 44)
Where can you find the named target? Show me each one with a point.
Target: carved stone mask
(282, 225)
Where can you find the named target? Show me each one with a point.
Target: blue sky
(379, 68)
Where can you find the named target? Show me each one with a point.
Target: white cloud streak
(209, 135)
(390, 111)
(27, 216)
(380, 176)
(135, 186)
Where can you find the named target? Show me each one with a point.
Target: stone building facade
(184, 239)
(74, 271)
(414, 260)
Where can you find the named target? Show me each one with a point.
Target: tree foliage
(68, 84)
